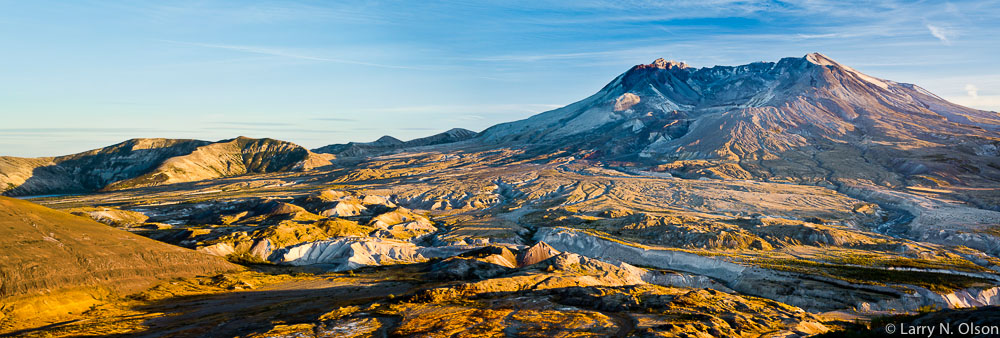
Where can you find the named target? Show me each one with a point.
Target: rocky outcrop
(354, 252)
(259, 243)
(536, 253)
(334, 203)
(344, 209)
(481, 263)
(600, 272)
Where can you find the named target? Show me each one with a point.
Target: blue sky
(78, 75)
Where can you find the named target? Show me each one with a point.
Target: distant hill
(52, 263)
(148, 162)
(229, 158)
(387, 144)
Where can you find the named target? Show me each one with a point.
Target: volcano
(804, 120)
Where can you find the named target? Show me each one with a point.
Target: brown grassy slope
(52, 263)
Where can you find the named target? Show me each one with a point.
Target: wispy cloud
(286, 53)
(248, 12)
(79, 130)
(544, 57)
(468, 108)
(335, 119)
(251, 124)
(274, 130)
(972, 91)
(941, 33)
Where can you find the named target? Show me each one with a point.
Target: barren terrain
(787, 198)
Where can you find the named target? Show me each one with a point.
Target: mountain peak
(459, 132)
(386, 139)
(823, 60)
(820, 59)
(662, 63)
(664, 112)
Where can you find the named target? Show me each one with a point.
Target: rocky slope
(387, 144)
(808, 120)
(225, 158)
(53, 263)
(148, 162)
(90, 170)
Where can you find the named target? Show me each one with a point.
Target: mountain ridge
(386, 144)
(153, 161)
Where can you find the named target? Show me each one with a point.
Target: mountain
(89, 170)
(226, 158)
(359, 149)
(387, 144)
(806, 120)
(450, 136)
(147, 162)
(54, 263)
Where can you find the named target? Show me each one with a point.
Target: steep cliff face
(147, 162)
(52, 263)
